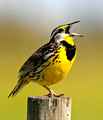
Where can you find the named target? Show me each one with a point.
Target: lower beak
(75, 34)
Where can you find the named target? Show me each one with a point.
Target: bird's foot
(53, 94)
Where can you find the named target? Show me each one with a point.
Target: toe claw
(52, 93)
(61, 95)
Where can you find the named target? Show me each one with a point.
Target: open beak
(74, 34)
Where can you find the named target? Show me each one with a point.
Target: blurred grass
(84, 83)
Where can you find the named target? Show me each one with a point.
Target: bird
(51, 62)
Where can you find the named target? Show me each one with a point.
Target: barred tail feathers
(21, 83)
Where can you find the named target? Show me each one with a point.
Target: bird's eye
(67, 30)
(60, 30)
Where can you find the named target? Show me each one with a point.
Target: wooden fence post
(45, 108)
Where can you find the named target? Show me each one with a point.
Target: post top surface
(46, 97)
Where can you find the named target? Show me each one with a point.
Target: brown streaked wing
(37, 59)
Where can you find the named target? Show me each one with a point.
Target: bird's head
(62, 33)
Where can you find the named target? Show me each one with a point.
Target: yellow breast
(57, 68)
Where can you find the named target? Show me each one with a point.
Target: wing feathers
(38, 58)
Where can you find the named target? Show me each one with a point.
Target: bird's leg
(51, 92)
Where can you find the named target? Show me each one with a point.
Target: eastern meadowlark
(50, 63)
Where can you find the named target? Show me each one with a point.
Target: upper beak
(70, 24)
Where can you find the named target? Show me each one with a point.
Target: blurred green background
(26, 25)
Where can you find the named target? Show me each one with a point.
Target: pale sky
(51, 12)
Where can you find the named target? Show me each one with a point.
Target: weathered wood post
(45, 108)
